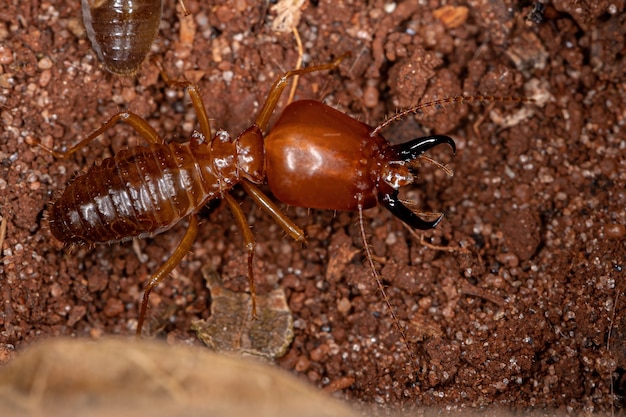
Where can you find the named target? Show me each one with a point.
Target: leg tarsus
(184, 8)
(422, 240)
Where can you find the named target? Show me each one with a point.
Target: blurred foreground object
(127, 377)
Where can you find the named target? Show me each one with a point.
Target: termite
(314, 156)
(121, 32)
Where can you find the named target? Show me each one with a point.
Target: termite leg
(183, 248)
(272, 209)
(249, 244)
(141, 126)
(196, 99)
(279, 85)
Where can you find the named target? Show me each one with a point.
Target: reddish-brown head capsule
(339, 163)
(122, 31)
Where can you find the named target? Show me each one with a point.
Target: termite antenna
(381, 287)
(608, 347)
(441, 103)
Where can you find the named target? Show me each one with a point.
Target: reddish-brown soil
(532, 314)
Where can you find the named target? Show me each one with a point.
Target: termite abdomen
(137, 193)
(122, 31)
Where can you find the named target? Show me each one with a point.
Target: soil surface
(528, 311)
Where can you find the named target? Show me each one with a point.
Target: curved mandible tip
(414, 148)
(395, 206)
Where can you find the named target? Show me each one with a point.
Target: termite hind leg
(279, 85)
(141, 126)
(194, 94)
(183, 248)
(272, 209)
(249, 244)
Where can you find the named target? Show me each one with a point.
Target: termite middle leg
(183, 248)
(279, 85)
(141, 126)
(248, 242)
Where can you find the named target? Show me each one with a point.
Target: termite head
(397, 172)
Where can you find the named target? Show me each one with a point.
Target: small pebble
(45, 77)
(344, 305)
(113, 307)
(44, 63)
(371, 97)
(614, 231)
(6, 55)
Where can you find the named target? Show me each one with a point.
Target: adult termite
(314, 156)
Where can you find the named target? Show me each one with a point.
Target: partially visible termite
(314, 156)
(122, 32)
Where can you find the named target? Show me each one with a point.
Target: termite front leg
(183, 248)
(272, 209)
(279, 85)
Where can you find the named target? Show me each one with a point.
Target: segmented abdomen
(137, 193)
(122, 31)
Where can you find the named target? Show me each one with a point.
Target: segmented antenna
(441, 103)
